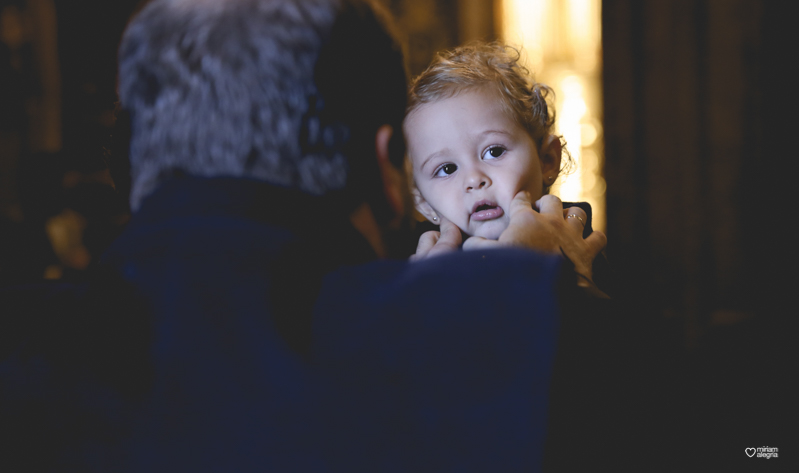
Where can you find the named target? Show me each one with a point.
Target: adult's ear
(550, 155)
(423, 207)
(393, 181)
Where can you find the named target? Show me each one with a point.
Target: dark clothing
(226, 332)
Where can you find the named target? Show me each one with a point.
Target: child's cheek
(532, 185)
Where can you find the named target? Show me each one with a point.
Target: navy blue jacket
(224, 333)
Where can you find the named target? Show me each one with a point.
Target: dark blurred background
(698, 112)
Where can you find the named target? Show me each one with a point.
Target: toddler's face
(470, 159)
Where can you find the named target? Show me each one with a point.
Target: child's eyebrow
(432, 156)
(491, 132)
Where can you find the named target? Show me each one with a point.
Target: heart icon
(750, 452)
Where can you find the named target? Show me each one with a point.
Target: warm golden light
(562, 46)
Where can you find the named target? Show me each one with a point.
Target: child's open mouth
(486, 210)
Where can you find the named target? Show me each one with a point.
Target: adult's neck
(363, 219)
(315, 219)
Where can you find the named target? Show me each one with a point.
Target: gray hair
(234, 88)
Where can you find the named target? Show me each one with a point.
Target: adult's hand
(550, 230)
(434, 243)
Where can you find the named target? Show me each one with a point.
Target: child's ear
(550, 155)
(423, 207)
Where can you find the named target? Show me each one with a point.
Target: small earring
(435, 219)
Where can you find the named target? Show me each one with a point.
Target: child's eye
(446, 170)
(493, 152)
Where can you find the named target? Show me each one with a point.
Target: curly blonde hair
(494, 65)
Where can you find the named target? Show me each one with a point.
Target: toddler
(478, 132)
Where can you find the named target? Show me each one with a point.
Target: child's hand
(434, 243)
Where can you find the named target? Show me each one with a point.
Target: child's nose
(477, 179)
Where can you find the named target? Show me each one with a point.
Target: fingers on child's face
(549, 204)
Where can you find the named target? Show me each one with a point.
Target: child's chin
(491, 233)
